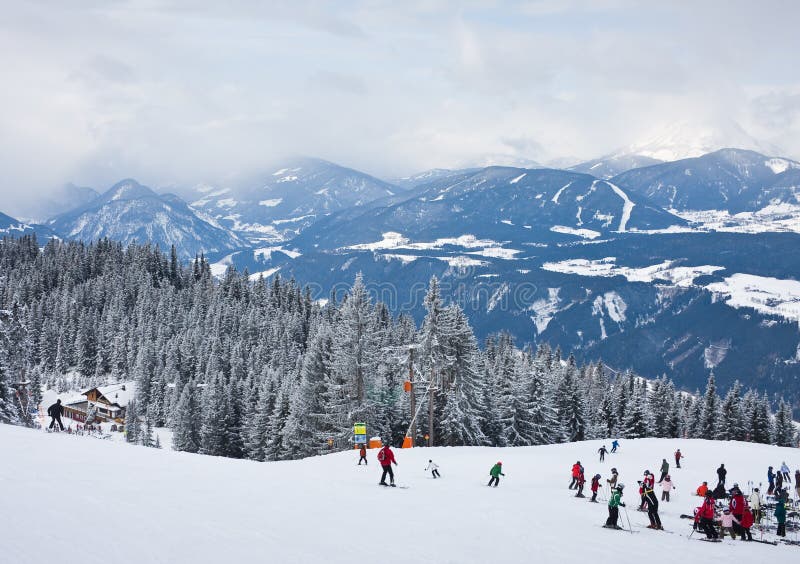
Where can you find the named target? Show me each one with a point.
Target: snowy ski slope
(87, 500)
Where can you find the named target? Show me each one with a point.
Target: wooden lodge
(109, 403)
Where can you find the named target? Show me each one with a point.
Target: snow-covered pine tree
(186, 435)
(710, 414)
(784, 433)
(731, 423)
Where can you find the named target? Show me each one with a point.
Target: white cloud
(174, 92)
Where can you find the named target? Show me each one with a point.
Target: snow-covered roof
(121, 393)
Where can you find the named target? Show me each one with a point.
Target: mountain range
(678, 267)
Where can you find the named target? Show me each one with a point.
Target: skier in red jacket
(595, 486)
(576, 472)
(737, 506)
(705, 514)
(386, 458)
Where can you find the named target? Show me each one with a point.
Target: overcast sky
(183, 92)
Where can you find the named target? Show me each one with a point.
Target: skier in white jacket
(433, 468)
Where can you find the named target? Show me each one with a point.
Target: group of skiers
(386, 459)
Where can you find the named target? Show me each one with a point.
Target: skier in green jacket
(664, 470)
(495, 473)
(780, 517)
(614, 504)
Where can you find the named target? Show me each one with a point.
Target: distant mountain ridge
(129, 211)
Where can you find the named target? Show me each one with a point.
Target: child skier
(666, 487)
(362, 452)
(785, 472)
(433, 468)
(602, 452)
(495, 473)
(614, 445)
(746, 523)
(678, 457)
(581, 482)
(614, 503)
(703, 489)
(726, 524)
(771, 480)
(595, 486)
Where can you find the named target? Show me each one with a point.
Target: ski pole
(628, 518)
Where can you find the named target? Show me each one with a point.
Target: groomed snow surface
(89, 500)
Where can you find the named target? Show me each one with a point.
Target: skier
(721, 473)
(581, 482)
(678, 457)
(737, 506)
(595, 486)
(705, 514)
(362, 453)
(602, 452)
(755, 504)
(614, 503)
(664, 470)
(746, 523)
(771, 480)
(780, 517)
(55, 412)
(666, 487)
(703, 489)
(386, 458)
(495, 473)
(614, 445)
(612, 481)
(728, 522)
(576, 471)
(652, 506)
(434, 469)
(785, 472)
(797, 482)
(778, 483)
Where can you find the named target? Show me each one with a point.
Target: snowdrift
(88, 500)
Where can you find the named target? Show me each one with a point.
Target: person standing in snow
(780, 517)
(55, 412)
(785, 472)
(771, 480)
(737, 505)
(386, 458)
(614, 503)
(778, 483)
(602, 452)
(703, 489)
(755, 505)
(664, 470)
(666, 487)
(362, 453)
(678, 457)
(576, 471)
(433, 468)
(495, 473)
(797, 482)
(746, 523)
(614, 445)
(581, 482)
(612, 481)
(728, 523)
(652, 506)
(721, 473)
(595, 486)
(705, 517)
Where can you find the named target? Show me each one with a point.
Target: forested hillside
(257, 369)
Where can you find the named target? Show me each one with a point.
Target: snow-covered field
(71, 498)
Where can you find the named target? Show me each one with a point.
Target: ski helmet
(613, 470)
(620, 487)
(499, 463)
(647, 472)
